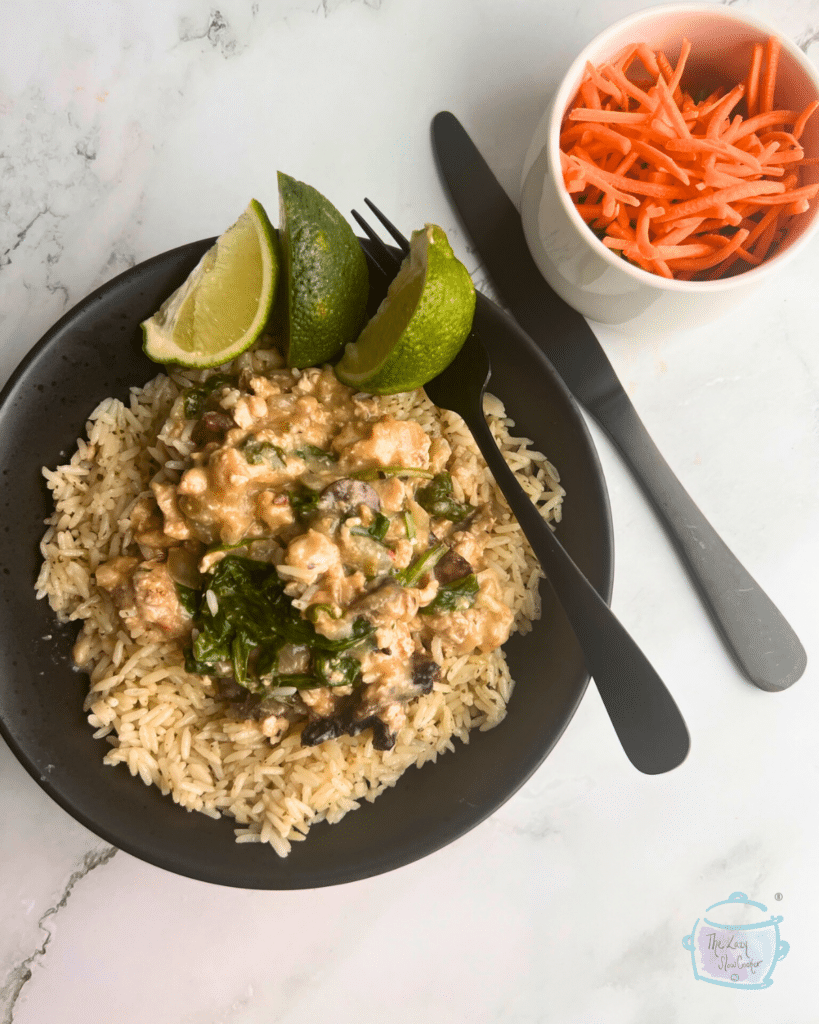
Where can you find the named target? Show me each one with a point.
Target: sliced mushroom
(321, 729)
(229, 689)
(424, 673)
(346, 496)
(211, 428)
(452, 567)
(383, 736)
(183, 564)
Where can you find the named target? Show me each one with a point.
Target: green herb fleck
(314, 611)
(336, 670)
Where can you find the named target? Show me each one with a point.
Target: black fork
(647, 720)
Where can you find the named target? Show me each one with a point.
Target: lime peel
(325, 284)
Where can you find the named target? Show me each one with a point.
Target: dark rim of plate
(93, 352)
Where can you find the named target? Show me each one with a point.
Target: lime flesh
(420, 326)
(225, 302)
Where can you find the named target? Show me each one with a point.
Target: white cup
(590, 277)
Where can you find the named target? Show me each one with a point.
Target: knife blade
(763, 644)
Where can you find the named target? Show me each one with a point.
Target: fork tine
(393, 230)
(386, 261)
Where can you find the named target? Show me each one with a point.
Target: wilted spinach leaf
(455, 595)
(304, 500)
(256, 452)
(436, 498)
(255, 615)
(310, 451)
(194, 398)
(377, 528)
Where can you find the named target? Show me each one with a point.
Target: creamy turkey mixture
(306, 552)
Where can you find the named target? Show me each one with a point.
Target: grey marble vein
(807, 38)
(328, 7)
(20, 974)
(217, 31)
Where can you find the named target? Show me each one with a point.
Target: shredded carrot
(674, 84)
(766, 92)
(684, 187)
(752, 87)
(590, 95)
(801, 121)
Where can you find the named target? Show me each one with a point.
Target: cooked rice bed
(166, 725)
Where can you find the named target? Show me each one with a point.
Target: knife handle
(762, 642)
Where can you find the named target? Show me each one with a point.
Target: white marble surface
(129, 127)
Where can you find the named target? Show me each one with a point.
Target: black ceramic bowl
(95, 351)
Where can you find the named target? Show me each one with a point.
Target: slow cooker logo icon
(736, 945)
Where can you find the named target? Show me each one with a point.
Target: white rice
(168, 727)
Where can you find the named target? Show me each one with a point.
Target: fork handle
(760, 639)
(648, 723)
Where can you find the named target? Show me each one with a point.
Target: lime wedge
(420, 326)
(325, 279)
(225, 302)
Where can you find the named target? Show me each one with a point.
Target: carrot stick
(762, 120)
(802, 120)
(661, 159)
(646, 55)
(662, 268)
(665, 66)
(752, 88)
(628, 88)
(801, 206)
(720, 253)
(685, 49)
(615, 116)
(600, 83)
(766, 91)
(757, 189)
(671, 108)
(806, 192)
(590, 211)
(591, 97)
(765, 241)
(722, 109)
(641, 234)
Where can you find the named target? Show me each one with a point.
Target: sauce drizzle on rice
(108, 562)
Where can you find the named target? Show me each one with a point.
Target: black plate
(95, 351)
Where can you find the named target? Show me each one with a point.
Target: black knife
(763, 644)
